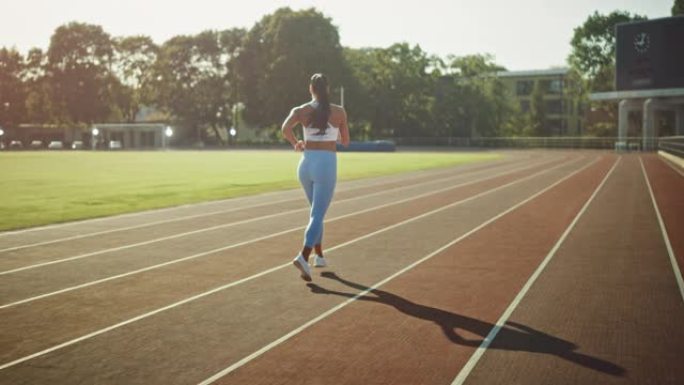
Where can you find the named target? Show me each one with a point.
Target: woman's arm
(344, 129)
(288, 125)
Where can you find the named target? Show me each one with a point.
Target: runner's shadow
(512, 336)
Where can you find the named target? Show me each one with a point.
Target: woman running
(322, 124)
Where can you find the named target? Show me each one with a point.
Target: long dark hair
(321, 113)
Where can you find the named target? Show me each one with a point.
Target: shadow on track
(512, 336)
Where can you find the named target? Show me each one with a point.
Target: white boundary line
(240, 198)
(273, 269)
(231, 224)
(468, 367)
(324, 315)
(219, 212)
(202, 254)
(665, 157)
(663, 230)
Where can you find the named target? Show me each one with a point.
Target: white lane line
(194, 256)
(171, 220)
(243, 280)
(378, 181)
(282, 213)
(322, 316)
(468, 367)
(663, 230)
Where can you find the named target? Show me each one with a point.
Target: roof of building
(530, 73)
(637, 94)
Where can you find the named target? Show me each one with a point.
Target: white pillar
(623, 120)
(648, 124)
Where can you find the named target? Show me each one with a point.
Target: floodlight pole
(342, 96)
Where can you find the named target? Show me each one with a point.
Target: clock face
(642, 42)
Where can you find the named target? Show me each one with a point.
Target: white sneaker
(300, 263)
(319, 261)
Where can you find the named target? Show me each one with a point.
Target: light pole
(168, 133)
(93, 140)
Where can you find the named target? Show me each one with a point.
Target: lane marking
(468, 367)
(198, 255)
(164, 221)
(264, 217)
(324, 315)
(288, 264)
(663, 230)
(374, 181)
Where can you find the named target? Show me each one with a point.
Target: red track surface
(558, 257)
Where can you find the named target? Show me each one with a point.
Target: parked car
(56, 145)
(36, 144)
(16, 144)
(77, 145)
(115, 145)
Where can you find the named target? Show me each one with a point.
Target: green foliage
(593, 48)
(78, 66)
(134, 58)
(194, 78)
(537, 115)
(12, 89)
(678, 7)
(198, 81)
(280, 53)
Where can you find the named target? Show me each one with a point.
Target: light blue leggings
(318, 174)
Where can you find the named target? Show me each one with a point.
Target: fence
(632, 143)
(672, 144)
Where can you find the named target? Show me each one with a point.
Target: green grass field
(39, 188)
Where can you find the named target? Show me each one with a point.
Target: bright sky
(524, 34)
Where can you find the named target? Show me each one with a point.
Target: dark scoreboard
(650, 54)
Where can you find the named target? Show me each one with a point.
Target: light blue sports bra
(312, 134)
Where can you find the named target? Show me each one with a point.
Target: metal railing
(672, 144)
(631, 143)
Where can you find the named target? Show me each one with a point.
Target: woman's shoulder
(337, 108)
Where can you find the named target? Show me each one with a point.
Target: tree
(12, 89)
(593, 48)
(281, 52)
(537, 115)
(79, 60)
(134, 58)
(39, 95)
(195, 80)
(474, 103)
(394, 91)
(678, 7)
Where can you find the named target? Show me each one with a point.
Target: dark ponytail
(321, 114)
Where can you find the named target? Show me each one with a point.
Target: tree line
(204, 82)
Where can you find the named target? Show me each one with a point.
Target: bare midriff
(323, 145)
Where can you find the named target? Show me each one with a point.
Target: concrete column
(648, 124)
(679, 120)
(623, 119)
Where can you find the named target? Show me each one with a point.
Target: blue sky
(525, 34)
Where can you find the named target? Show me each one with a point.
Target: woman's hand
(299, 146)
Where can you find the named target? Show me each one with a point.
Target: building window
(555, 86)
(524, 87)
(554, 107)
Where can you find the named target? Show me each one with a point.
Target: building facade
(564, 113)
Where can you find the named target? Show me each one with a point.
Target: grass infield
(39, 188)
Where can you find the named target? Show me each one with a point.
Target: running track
(543, 268)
